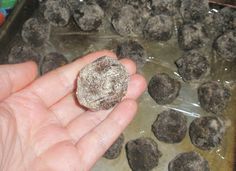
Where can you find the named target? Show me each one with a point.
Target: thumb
(15, 77)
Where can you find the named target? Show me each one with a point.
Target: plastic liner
(161, 56)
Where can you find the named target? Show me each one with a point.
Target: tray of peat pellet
(186, 50)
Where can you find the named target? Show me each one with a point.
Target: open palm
(43, 128)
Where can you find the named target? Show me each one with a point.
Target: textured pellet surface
(114, 151)
(102, 84)
(143, 154)
(188, 161)
(170, 126)
(207, 132)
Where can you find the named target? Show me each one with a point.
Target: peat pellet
(213, 96)
(127, 21)
(225, 46)
(188, 161)
(170, 126)
(52, 61)
(163, 6)
(114, 151)
(23, 53)
(102, 84)
(159, 27)
(192, 36)
(142, 154)
(133, 50)
(88, 16)
(163, 89)
(193, 65)
(138, 3)
(57, 12)
(193, 10)
(207, 132)
(35, 32)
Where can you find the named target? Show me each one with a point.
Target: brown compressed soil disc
(102, 84)
(213, 96)
(142, 154)
(52, 61)
(207, 132)
(193, 65)
(189, 161)
(225, 46)
(163, 89)
(170, 126)
(23, 53)
(114, 151)
(133, 50)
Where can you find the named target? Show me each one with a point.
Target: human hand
(43, 128)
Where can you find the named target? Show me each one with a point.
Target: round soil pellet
(127, 21)
(189, 161)
(162, 7)
(114, 151)
(88, 16)
(225, 46)
(138, 3)
(73, 5)
(142, 154)
(111, 7)
(52, 61)
(215, 24)
(35, 32)
(192, 65)
(133, 50)
(207, 132)
(229, 15)
(23, 53)
(192, 36)
(163, 89)
(104, 4)
(57, 12)
(102, 84)
(159, 27)
(170, 126)
(213, 96)
(192, 10)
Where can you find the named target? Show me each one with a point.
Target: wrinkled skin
(43, 128)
